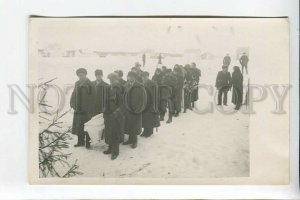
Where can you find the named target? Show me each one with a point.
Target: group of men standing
(133, 107)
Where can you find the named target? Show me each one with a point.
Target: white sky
(172, 35)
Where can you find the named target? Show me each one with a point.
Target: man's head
(98, 74)
(193, 65)
(113, 78)
(224, 68)
(137, 65)
(131, 76)
(187, 66)
(176, 68)
(145, 76)
(134, 69)
(236, 69)
(157, 71)
(81, 73)
(163, 68)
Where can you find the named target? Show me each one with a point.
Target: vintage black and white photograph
(145, 97)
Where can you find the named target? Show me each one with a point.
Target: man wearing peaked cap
(81, 71)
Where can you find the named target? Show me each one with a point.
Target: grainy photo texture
(142, 98)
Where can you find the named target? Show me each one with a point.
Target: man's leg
(225, 97)
(220, 96)
(114, 150)
(87, 140)
(108, 151)
(134, 141)
(129, 141)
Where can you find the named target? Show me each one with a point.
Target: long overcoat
(98, 96)
(82, 103)
(135, 100)
(179, 93)
(113, 115)
(150, 116)
(237, 88)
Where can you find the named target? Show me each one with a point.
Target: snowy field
(193, 145)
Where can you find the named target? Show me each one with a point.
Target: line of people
(133, 107)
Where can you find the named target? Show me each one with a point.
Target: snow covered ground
(194, 145)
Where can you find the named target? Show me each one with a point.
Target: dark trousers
(114, 148)
(222, 92)
(132, 138)
(148, 131)
(246, 67)
(187, 99)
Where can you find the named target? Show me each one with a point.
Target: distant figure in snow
(223, 84)
(159, 59)
(244, 62)
(227, 60)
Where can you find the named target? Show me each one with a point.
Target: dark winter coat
(195, 82)
(82, 103)
(113, 115)
(237, 87)
(157, 78)
(150, 116)
(98, 96)
(178, 97)
(223, 80)
(122, 83)
(168, 91)
(135, 99)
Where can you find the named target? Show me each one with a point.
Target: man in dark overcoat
(223, 84)
(179, 93)
(135, 99)
(196, 74)
(113, 116)
(168, 90)
(188, 87)
(150, 116)
(98, 92)
(122, 82)
(237, 87)
(82, 103)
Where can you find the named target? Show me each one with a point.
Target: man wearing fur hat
(81, 102)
